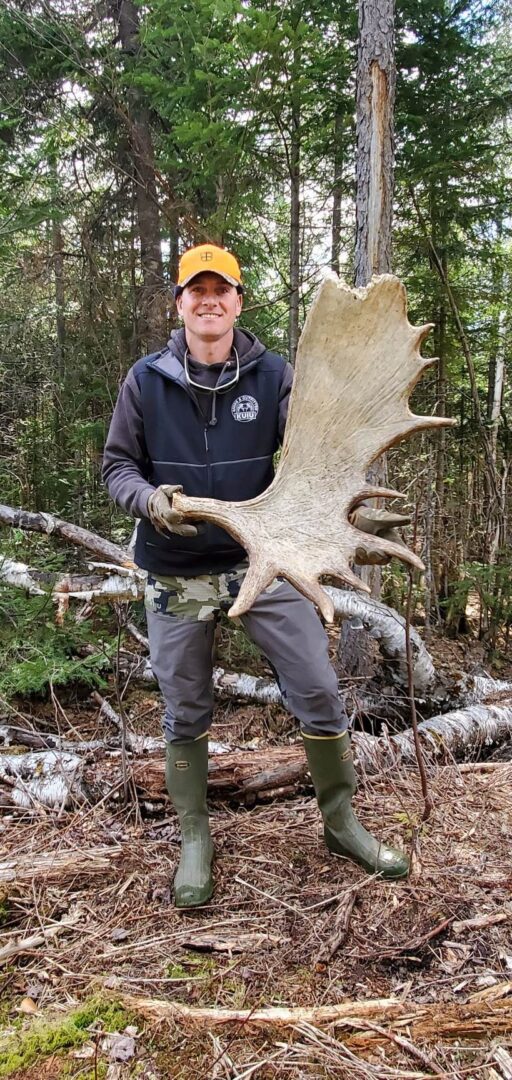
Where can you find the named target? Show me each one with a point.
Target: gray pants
(181, 615)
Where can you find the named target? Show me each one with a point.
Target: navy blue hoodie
(216, 445)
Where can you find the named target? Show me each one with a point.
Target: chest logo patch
(245, 408)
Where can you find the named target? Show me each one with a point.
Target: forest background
(130, 132)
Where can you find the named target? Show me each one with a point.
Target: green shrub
(35, 652)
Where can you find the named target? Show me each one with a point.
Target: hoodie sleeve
(125, 458)
(284, 398)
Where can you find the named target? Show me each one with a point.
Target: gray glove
(161, 514)
(380, 523)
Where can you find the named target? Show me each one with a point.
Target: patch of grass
(190, 966)
(69, 1069)
(44, 1038)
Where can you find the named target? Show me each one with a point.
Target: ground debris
(290, 928)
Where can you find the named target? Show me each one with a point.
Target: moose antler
(357, 362)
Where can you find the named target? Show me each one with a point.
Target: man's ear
(179, 304)
(239, 303)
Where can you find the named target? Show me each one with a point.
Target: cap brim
(187, 280)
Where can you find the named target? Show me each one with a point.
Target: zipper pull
(206, 438)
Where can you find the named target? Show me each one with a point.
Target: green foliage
(485, 593)
(224, 85)
(236, 650)
(35, 652)
(42, 1039)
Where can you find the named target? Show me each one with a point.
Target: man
(206, 415)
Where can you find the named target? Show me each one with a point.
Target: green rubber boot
(333, 775)
(186, 773)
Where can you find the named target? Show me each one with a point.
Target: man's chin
(213, 333)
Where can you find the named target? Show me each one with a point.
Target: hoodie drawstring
(213, 390)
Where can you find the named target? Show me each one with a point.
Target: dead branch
(341, 928)
(444, 1020)
(54, 867)
(33, 941)
(405, 1044)
(50, 524)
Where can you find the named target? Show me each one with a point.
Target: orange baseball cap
(208, 257)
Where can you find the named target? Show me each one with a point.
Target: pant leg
(181, 617)
(288, 630)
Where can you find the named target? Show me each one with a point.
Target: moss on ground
(4, 905)
(21, 1050)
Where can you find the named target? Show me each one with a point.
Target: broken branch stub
(357, 362)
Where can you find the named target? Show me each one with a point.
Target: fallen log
(387, 627)
(245, 774)
(451, 1021)
(240, 686)
(97, 587)
(53, 867)
(48, 778)
(56, 779)
(384, 624)
(125, 582)
(53, 525)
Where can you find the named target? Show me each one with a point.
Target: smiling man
(206, 414)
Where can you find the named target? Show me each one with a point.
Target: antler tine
(388, 547)
(259, 575)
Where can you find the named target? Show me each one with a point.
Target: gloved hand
(161, 514)
(378, 523)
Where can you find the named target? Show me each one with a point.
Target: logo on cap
(206, 256)
(245, 408)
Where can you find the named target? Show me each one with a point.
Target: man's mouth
(209, 315)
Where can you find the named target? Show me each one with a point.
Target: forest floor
(424, 965)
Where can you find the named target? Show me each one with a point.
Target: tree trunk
(337, 192)
(57, 263)
(375, 142)
(439, 507)
(495, 395)
(294, 232)
(375, 95)
(152, 296)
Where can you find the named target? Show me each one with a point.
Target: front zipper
(208, 526)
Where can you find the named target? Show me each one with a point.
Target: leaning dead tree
(357, 363)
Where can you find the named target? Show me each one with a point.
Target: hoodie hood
(247, 345)
(170, 361)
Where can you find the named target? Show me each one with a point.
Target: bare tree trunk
(152, 295)
(439, 507)
(57, 258)
(375, 142)
(375, 95)
(496, 382)
(337, 192)
(294, 232)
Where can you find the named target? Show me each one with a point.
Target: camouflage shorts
(199, 598)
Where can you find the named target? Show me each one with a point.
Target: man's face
(209, 306)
